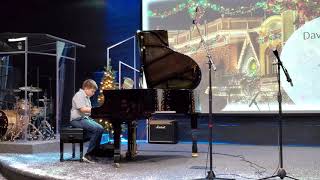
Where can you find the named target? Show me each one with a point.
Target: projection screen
(241, 36)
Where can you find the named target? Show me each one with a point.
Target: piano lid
(163, 67)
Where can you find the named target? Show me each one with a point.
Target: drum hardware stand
(31, 133)
(33, 130)
(46, 130)
(211, 66)
(281, 171)
(30, 96)
(45, 126)
(15, 133)
(10, 131)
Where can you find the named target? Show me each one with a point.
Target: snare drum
(35, 111)
(23, 107)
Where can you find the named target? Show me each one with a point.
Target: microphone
(275, 52)
(254, 99)
(288, 76)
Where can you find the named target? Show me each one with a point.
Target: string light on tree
(108, 82)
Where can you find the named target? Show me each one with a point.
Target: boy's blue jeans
(92, 131)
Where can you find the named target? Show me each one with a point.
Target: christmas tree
(107, 82)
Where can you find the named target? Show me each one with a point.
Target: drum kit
(25, 120)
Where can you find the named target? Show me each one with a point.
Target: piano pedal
(131, 156)
(194, 155)
(122, 156)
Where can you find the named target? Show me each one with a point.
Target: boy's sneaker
(89, 158)
(194, 155)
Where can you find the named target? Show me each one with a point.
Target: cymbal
(44, 100)
(12, 102)
(30, 89)
(10, 90)
(6, 90)
(16, 90)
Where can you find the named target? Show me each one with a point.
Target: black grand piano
(175, 73)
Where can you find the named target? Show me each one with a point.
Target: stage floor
(155, 161)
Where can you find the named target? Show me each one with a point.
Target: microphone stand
(253, 101)
(281, 171)
(211, 67)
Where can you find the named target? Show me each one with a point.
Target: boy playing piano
(80, 112)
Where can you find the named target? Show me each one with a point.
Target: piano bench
(71, 135)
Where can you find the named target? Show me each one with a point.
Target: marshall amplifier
(163, 131)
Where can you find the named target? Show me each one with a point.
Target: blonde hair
(89, 84)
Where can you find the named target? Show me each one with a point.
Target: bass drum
(3, 124)
(8, 122)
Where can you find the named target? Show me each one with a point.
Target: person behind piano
(80, 112)
(127, 83)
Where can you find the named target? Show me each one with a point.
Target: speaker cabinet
(163, 132)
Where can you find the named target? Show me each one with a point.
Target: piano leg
(117, 143)
(194, 131)
(132, 136)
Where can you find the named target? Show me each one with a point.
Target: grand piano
(175, 73)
